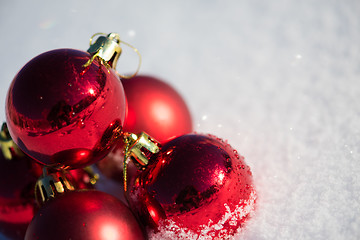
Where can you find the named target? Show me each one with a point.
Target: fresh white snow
(280, 80)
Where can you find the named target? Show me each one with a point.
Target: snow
(279, 79)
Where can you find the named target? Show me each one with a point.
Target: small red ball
(17, 199)
(156, 108)
(197, 186)
(17, 202)
(62, 114)
(91, 215)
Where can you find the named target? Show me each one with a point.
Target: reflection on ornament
(196, 186)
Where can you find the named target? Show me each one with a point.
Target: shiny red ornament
(196, 187)
(17, 203)
(63, 114)
(90, 215)
(156, 108)
(17, 199)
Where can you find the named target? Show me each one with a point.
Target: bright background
(279, 79)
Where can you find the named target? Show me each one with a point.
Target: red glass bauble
(156, 108)
(17, 202)
(90, 214)
(197, 187)
(62, 114)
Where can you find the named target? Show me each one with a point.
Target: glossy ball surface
(62, 114)
(90, 215)
(198, 186)
(155, 108)
(17, 202)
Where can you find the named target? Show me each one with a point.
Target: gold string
(126, 155)
(96, 34)
(120, 41)
(139, 64)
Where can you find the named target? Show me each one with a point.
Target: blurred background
(280, 80)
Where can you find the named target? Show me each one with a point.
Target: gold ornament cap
(139, 148)
(107, 50)
(49, 186)
(8, 147)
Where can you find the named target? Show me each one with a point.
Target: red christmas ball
(156, 108)
(196, 187)
(62, 114)
(17, 203)
(17, 200)
(91, 215)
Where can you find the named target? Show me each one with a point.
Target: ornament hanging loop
(107, 49)
(139, 63)
(94, 35)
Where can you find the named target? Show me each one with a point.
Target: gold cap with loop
(139, 148)
(107, 49)
(49, 186)
(8, 147)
